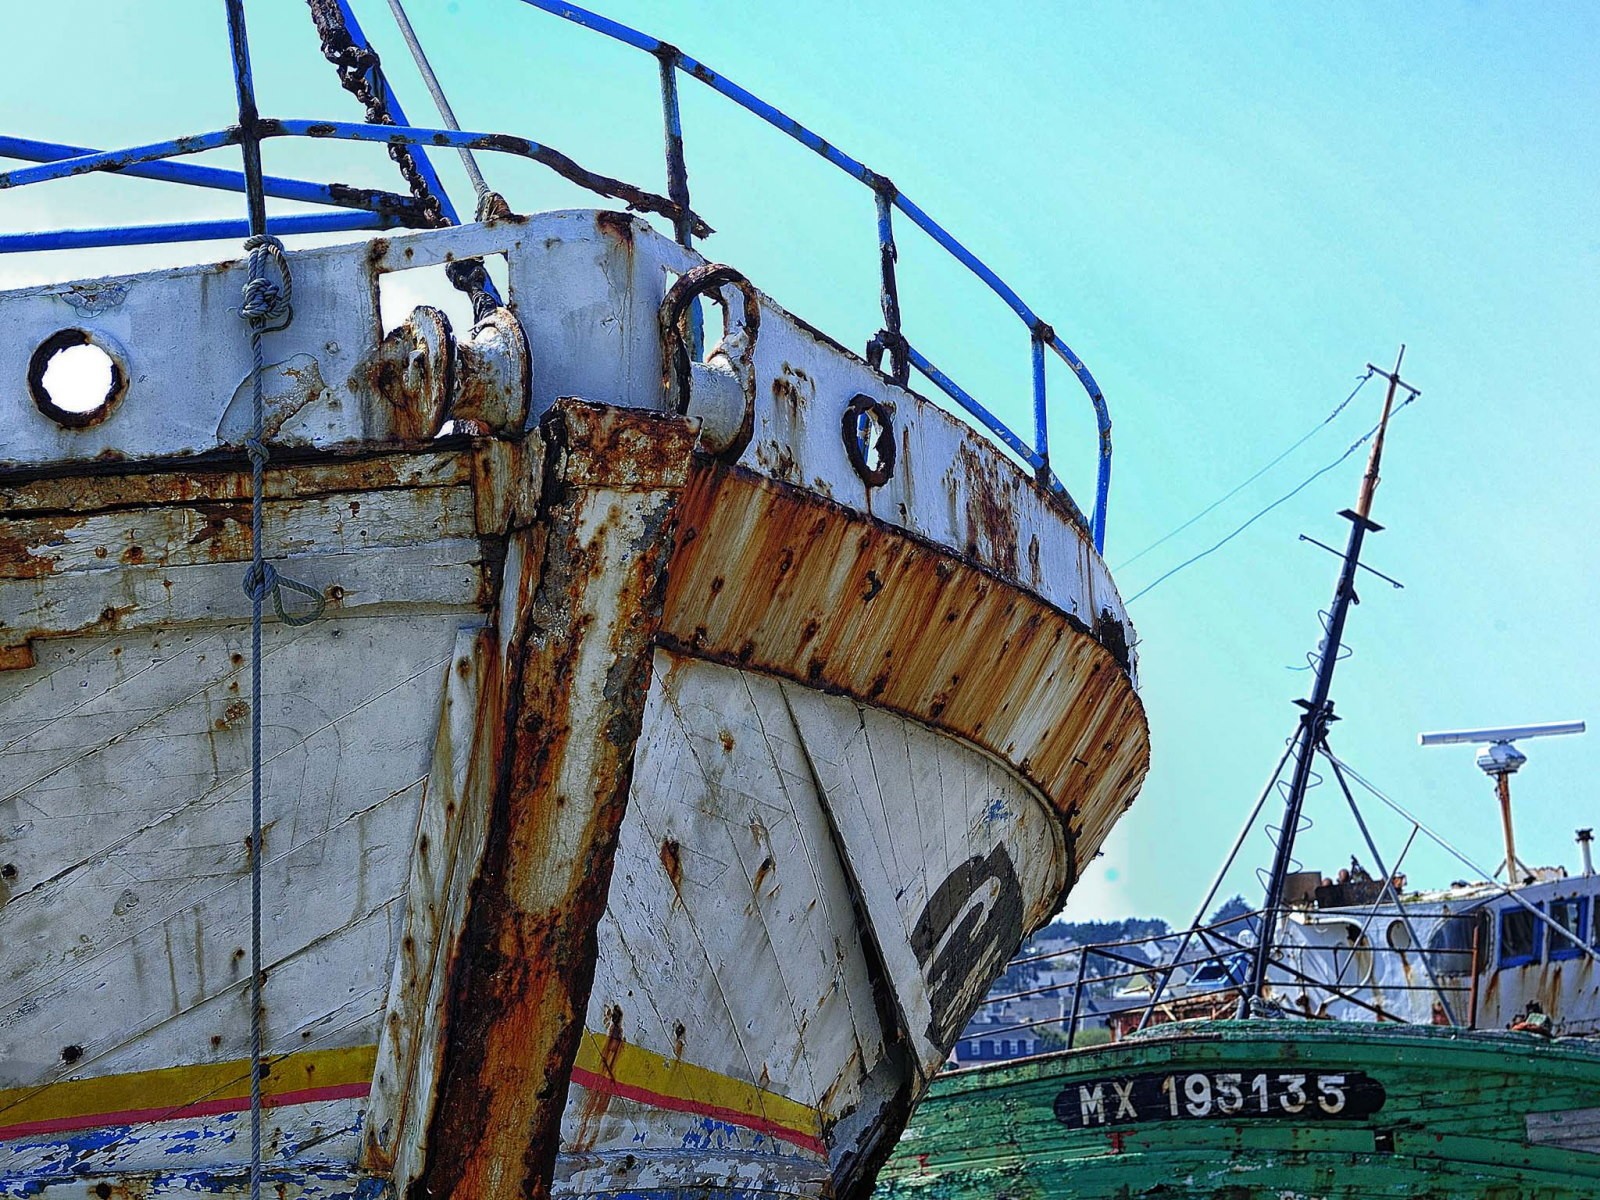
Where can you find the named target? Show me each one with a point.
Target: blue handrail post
(890, 338)
(1102, 490)
(1041, 412)
(249, 134)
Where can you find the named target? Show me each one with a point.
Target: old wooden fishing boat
(682, 742)
(1280, 1109)
(1372, 1042)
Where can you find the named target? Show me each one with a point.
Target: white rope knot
(267, 304)
(263, 580)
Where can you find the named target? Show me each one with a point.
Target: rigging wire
(1389, 877)
(1312, 432)
(1295, 491)
(446, 113)
(1216, 884)
(1444, 844)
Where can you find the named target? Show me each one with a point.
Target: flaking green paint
(1455, 1114)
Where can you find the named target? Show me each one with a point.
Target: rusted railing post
(891, 338)
(678, 178)
(677, 171)
(1477, 963)
(1077, 998)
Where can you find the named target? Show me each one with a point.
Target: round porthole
(868, 431)
(76, 378)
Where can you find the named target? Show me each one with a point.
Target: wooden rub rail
(775, 579)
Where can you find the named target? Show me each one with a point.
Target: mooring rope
(267, 306)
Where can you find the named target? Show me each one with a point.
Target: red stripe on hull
(603, 1083)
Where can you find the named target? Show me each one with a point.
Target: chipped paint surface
(1460, 1116)
(616, 820)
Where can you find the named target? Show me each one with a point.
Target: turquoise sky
(1226, 209)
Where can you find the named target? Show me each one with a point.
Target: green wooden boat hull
(1213, 1109)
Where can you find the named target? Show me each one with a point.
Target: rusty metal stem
(1502, 788)
(1369, 481)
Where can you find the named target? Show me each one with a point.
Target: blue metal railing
(370, 209)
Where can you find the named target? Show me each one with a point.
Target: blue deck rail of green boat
(369, 209)
(1209, 956)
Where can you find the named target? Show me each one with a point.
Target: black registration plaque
(1209, 1095)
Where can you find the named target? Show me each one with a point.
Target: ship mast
(1317, 708)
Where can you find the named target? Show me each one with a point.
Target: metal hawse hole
(868, 430)
(76, 378)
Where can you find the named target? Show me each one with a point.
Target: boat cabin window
(1521, 937)
(1450, 945)
(1571, 913)
(1221, 972)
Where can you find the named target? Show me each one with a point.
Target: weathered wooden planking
(727, 872)
(185, 535)
(441, 576)
(125, 812)
(312, 1145)
(212, 482)
(1573, 1129)
(451, 826)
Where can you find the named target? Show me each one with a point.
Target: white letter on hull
(1124, 1093)
(1092, 1102)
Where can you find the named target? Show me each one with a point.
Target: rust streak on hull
(588, 603)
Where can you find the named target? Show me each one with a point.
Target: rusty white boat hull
(649, 810)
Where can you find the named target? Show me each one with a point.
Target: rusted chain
(357, 67)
